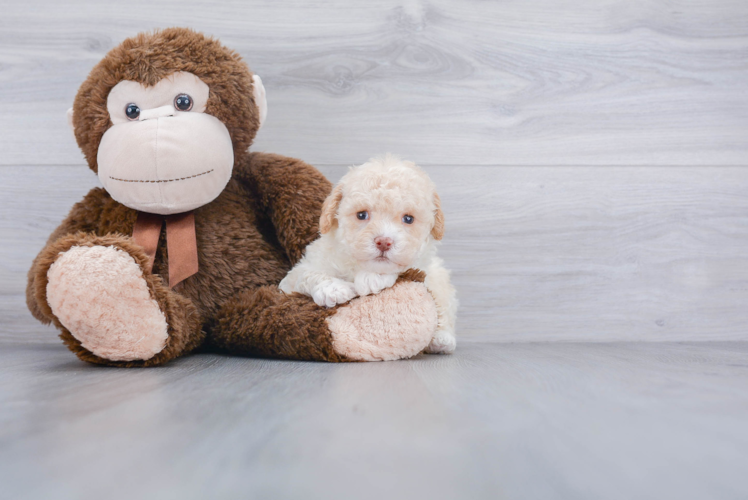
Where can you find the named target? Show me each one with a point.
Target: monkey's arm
(291, 193)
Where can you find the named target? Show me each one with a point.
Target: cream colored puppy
(382, 218)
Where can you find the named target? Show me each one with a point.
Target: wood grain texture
(537, 253)
(606, 82)
(545, 420)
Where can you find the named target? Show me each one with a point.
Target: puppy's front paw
(370, 283)
(333, 292)
(444, 342)
(286, 286)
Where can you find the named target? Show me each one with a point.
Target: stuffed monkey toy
(185, 245)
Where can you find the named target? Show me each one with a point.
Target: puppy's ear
(329, 209)
(438, 230)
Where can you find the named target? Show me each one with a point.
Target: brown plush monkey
(186, 244)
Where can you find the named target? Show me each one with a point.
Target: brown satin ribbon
(181, 242)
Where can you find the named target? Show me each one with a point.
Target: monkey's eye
(132, 111)
(362, 215)
(183, 102)
(408, 219)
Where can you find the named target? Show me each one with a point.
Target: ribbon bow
(181, 242)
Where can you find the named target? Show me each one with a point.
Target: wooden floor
(532, 420)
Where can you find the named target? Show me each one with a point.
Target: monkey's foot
(397, 323)
(99, 294)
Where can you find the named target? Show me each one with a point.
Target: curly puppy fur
(247, 238)
(382, 218)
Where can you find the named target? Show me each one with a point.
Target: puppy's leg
(330, 292)
(371, 283)
(326, 290)
(438, 283)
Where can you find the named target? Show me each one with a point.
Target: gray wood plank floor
(542, 420)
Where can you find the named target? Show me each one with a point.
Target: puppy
(381, 219)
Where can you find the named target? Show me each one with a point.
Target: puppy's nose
(383, 243)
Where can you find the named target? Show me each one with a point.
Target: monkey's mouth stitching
(165, 180)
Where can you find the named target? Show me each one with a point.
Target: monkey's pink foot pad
(99, 294)
(396, 323)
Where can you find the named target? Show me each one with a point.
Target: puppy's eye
(132, 111)
(183, 102)
(362, 215)
(408, 219)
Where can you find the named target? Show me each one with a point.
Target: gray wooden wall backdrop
(591, 154)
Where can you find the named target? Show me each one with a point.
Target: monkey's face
(163, 118)
(163, 154)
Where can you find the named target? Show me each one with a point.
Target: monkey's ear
(70, 120)
(258, 92)
(329, 209)
(438, 230)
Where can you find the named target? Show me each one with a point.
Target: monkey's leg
(109, 308)
(397, 323)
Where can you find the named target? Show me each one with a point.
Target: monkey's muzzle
(166, 162)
